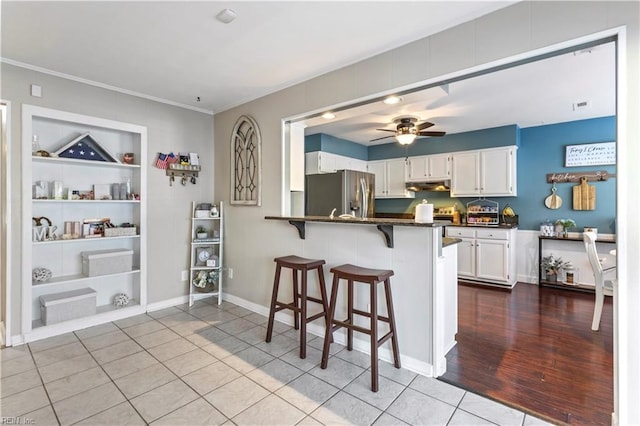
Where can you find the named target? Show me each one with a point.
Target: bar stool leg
(350, 314)
(392, 323)
(374, 336)
(323, 297)
(274, 297)
(296, 300)
(329, 331)
(303, 316)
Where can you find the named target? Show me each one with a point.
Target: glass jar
(569, 273)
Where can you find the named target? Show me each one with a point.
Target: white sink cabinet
(486, 254)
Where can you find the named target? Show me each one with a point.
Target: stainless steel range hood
(443, 185)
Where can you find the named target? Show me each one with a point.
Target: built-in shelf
(61, 160)
(47, 200)
(64, 279)
(77, 240)
(105, 310)
(64, 256)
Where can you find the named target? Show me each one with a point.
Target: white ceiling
(178, 51)
(537, 93)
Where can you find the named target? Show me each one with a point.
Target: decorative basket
(120, 232)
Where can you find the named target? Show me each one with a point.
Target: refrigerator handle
(365, 198)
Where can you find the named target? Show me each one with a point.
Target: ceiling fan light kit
(406, 138)
(407, 131)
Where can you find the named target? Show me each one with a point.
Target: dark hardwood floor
(533, 348)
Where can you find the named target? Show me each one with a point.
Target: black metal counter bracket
(387, 230)
(299, 224)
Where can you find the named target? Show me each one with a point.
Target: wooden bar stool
(372, 277)
(300, 297)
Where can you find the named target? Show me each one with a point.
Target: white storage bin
(67, 305)
(104, 262)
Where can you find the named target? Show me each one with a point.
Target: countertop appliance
(348, 191)
(444, 213)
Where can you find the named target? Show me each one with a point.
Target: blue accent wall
(477, 139)
(333, 145)
(541, 151)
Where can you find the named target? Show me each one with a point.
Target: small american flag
(161, 162)
(171, 158)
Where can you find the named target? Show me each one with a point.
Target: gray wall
(169, 129)
(252, 242)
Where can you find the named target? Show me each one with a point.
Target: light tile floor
(210, 365)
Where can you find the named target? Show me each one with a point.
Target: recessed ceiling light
(226, 15)
(328, 115)
(392, 100)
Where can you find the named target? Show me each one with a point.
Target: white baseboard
(3, 333)
(163, 304)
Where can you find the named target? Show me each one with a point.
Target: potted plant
(201, 232)
(565, 224)
(552, 266)
(205, 281)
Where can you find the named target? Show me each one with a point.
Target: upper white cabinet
(325, 162)
(486, 172)
(428, 168)
(390, 178)
(53, 230)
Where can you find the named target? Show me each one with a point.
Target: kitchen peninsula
(424, 285)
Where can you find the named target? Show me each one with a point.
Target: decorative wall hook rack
(564, 177)
(185, 172)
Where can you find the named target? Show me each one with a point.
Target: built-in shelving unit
(53, 129)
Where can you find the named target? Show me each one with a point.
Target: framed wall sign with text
(592, 154)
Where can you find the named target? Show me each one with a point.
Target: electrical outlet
(230, 273)
(185, 275)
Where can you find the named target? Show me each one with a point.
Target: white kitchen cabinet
(486, 254)
(326, 162)
(63, 255)
(486, 172)
(428, 168)
(390, 178)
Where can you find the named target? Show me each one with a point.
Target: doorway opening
(312, 120)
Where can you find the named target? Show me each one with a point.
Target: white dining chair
(603, 287)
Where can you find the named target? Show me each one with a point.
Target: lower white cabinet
(390, 178)
(486, 254)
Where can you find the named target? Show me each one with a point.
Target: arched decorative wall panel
(246, 163)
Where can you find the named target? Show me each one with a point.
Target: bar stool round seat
(353, 273)
(299, 266)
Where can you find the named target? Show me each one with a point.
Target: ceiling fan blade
(424, 125)
(432, 133)
(384, 137)
(386, 130)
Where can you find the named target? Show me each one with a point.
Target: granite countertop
(448, 241)
(359, 221)
(472, 225)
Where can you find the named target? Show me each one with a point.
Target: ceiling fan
(407, 130)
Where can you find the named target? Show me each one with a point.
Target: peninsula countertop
(359, 220)
(385, 225)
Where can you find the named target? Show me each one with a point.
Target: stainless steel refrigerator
(347, 191)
